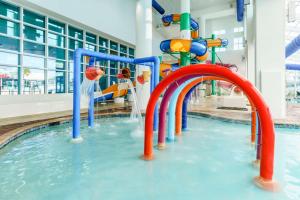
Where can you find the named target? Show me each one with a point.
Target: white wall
(157, 38)
(22, 105)
(230, 56)
(113, 17)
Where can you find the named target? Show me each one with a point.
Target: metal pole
(213, 61)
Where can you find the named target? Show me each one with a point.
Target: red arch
(267, 127)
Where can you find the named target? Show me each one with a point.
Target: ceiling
(173, 6)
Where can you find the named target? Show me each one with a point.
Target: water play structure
(266, 134)
(115, 90)
(153, 62)
(179, 79)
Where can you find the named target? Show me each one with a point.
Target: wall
(115, 18)
(22, 105)
(231, 56)
(157, 38)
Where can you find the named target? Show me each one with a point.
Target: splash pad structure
(266, 134)
(152, 62)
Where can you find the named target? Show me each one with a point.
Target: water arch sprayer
(265, 178)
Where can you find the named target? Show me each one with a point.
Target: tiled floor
(12, 127)
(209, 106)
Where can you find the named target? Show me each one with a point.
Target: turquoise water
(211, 161)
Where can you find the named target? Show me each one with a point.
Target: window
(33, 62)
(56, 64)
(238, 43)
(9, 58)
(56, 82)
(123, 49)
(34, 19)
(221, 49)
(71, 81)
(114, 46)
(90, 47)
(34, 48)
(75, 44)
(9, 11)
(131, 51)
(34, 34)
(238, 29)
(75, 33)
(91, 38)
(56, 40)
(103, 42)
(9, 43)
(27, 70)
(113, 72)
(9, 80)
(9, 28)
(56, 53)
(220, 32)
(56, 26)
(34, 81)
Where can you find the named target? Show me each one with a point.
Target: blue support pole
(185, 108)
(91, 115)
(76, 95)
(258, 139)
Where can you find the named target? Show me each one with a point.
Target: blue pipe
(295, 67)
(158, 7)
(76, 93)
(292, 47)
(167, 19)
(91, 116)
(185, 108)
(240, 10)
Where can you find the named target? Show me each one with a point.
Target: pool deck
(12, 128)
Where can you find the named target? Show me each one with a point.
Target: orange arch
(265, 179)
(178, 122)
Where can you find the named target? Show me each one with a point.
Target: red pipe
(267, 128)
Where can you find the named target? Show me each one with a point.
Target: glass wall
(36, 53)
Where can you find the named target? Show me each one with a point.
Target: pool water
(211, 161)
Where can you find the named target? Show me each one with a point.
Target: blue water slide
(199, 48)
(240, 10)
(167, 19)
(104, 97)
(290, 49)
(158, 7)
(194, 24)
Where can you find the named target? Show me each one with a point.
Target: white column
(270, 53)
(143, 47)
(202, 26)
(250, 45)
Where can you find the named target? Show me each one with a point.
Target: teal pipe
(172, 110)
